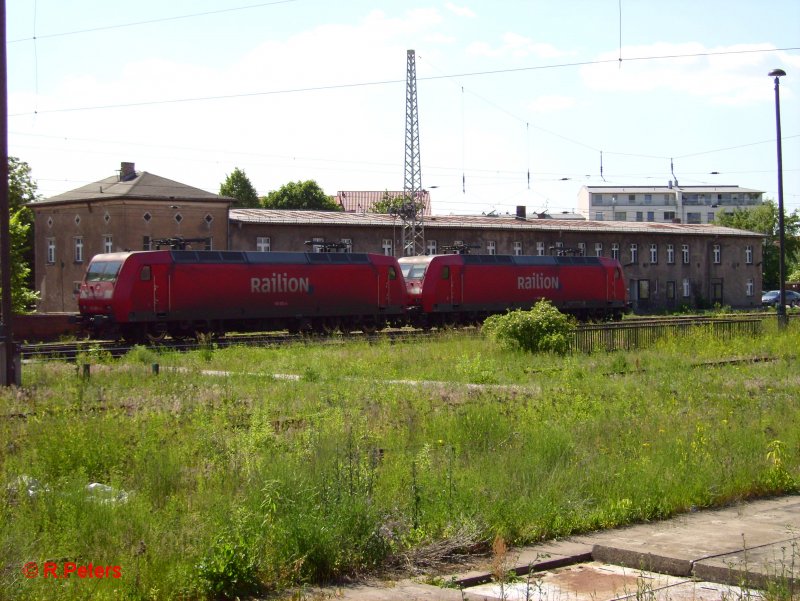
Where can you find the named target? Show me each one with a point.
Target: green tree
(393, 205)
(763, 219)
(21, 190)
(238, 186)
(302, 196)
(23, 298)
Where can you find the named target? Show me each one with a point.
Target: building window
(178, 218)
(669, 215)
(348, 245)
(687, 288)
(615, 251)
(671, 254)
(620, 216)
(644, 289)
(670, 290)
(748, 254)
(693, 218)
(597, 199)
(717, 254)
(147, 217)
(639, 216)
(51, 251)
(632, 198)
(540, 249)
(263, 244)
(648, 198)
(387, 247)
(108, 243)
(651, 216)
(491, 247)
(598, 249)
(685, 253)
(79, 249)
(750, 288)
(147, 243)
(517, 248)
(634, 253)
(581, 249)
(710, 217)
(654, 253)
(209, 244)
(598, 216)
(430, 247)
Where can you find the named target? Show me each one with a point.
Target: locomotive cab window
(144, 274)
(412, 271)
(103, 271)
(446, 272)
(392, 273)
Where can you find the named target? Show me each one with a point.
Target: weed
(228, 570)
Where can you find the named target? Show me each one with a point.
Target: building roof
(361, 201)
(667, 189)
(482, 222)
(130, 184)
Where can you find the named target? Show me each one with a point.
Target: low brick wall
(44, 326)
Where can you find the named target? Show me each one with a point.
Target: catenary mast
(413, 198)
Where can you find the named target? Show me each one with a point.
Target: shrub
(542, 329)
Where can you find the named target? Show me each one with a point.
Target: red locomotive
(453, 289)
(149, 294)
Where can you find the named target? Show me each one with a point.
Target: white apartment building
(663, 204)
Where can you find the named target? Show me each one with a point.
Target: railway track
(72, 350)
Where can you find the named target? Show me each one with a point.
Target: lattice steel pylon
(413, 199)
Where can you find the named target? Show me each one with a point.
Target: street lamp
(781, 309)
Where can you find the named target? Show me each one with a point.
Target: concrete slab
(751, 543)
(759, 539)
(777, 563)
(597, 581)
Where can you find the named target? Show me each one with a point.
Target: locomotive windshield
(103, 271)
(414, 271)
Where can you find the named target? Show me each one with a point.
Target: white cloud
(462, 11)
(516, 46)
(726, 75)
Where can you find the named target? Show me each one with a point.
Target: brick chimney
(127, 171)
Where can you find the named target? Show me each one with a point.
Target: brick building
(127, 211)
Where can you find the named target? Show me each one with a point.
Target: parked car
(770, 299)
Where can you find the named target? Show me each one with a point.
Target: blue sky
(311, 89)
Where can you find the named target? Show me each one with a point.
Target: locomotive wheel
(369, 327)
(156, 333)
(329, 326)
(132, 334)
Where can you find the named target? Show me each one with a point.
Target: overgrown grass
(245, 482)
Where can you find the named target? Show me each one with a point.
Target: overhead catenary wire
(148, 21)
(342, 86)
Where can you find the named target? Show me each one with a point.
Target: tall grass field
(249, 471)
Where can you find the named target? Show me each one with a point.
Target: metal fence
(641, 334)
